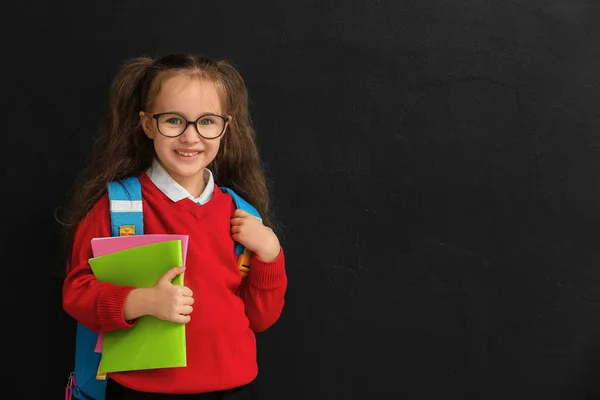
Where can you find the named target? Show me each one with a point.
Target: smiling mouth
(187, 154)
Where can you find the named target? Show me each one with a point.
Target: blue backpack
(127, 218)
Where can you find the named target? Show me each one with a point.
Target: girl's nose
(190, 135)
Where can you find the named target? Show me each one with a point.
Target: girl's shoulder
(99, 211)
(96, 222)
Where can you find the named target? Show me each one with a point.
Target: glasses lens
(210, 126)
(171, 124)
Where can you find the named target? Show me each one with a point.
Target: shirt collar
(173, 190)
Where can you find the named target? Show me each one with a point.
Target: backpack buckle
(126, 230)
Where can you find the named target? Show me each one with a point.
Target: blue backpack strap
(243, 255)
(243, 205)
(127, 218)
(126, 214)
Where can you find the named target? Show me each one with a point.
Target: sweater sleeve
(96, 305)
(263, 291)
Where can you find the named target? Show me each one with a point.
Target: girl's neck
(195, 185)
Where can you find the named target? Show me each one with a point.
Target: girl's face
(185, 156)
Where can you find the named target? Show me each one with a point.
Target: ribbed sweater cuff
(110, 307)
(267, 275)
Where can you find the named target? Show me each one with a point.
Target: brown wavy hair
(123, 150)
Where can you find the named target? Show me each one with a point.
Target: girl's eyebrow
(185, 115)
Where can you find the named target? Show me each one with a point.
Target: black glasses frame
(156, 116)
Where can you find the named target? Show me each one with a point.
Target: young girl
(181, 125)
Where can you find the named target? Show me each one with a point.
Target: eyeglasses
(209, 126)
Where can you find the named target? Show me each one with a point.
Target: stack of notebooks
(140, 261)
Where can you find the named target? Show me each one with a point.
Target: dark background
(434, 163)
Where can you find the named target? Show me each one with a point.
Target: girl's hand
(250, 232)
(171, 302)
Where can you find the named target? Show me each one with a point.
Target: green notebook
(151, 343)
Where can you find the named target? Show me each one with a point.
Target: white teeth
(181, 153)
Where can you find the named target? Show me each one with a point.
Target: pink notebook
(102, 246)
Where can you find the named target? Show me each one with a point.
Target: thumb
(171, 274)
(240, 213)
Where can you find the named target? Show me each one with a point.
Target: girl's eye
(174, 121)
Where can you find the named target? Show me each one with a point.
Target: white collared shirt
(173, 190)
